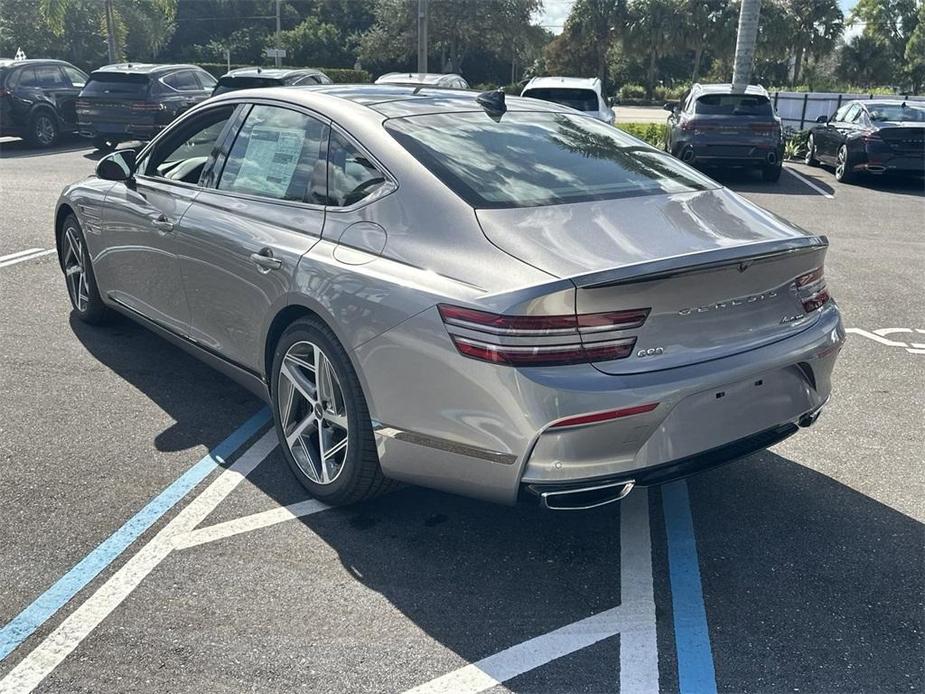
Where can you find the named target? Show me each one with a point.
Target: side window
(842, 113)
(182, 81)
(182, 156)
(77, 78)
(206, 80)
(27, 78)
(857, 116)
(278, 154)
(351, 175)
(50, 77)
(304, 80)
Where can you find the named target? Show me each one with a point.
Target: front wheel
(843, 172)
(78, 275)
(810, 158)
(321, 416)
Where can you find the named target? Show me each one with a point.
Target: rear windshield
(581, 99)
(228, 84)
(116, 85)
(734, 105)
(528, 159)
(896, 113)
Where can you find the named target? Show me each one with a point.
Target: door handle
(164, 224)
(265, 260)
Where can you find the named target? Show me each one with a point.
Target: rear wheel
(843, 172)
(810, 158)
(771, 173)
(78, 275)
(321, 416)
(43, 129)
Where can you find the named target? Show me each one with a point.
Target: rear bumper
(485, 430)
(117, 131)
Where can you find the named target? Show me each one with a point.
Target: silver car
(497, 297)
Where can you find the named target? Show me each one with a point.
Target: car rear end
(119, 106)
(231, 83)
(897, 148)
(682, 327)
(580, 99)
(731, 130)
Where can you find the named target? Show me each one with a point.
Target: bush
(654, 134)
(340, 75)
(632, 91)
(795, 142)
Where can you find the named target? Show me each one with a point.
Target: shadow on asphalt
(809, 585)
(744, 180)
(20, 149)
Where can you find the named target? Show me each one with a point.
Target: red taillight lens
(812, 290)
(871, 136)
(603, 416)
(541, 340)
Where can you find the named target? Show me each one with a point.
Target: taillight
(871, 136)
(541, 340)
(812, 290)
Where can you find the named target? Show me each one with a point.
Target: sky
(555, 11)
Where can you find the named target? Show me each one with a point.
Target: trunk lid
(717, 273)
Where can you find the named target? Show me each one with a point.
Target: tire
(348, 471)
(44, 130)
(78, 275)
(843, 172)
(771, 174)
(102, 144)
(810, 158)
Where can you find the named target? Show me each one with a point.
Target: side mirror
(611, 101)
(671, 106)
(118, 166)
(822, 119)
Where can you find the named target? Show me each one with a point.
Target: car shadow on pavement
(204, 405)
(809, 585)
(750, 181)
(20, 149)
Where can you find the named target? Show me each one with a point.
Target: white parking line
(808, 182)
(22, 256)
(633, 620)
(51, 652)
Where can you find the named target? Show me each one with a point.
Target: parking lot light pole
(746, 39)
(422, 36)
(277, 34)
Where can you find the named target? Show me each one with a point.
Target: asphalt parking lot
(154, 540)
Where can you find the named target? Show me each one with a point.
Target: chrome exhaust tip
(583, 498)
(772, 158)
(875, 168)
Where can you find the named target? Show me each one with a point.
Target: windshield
(733, 105)
(581, 99)
(896, 113)
(530, 159)
(230, 84)
(116, 85)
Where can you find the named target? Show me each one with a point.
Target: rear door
(137, 262)
(67, 108)
(242, 237)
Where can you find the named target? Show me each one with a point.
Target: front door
(242, 239)
(138, 266)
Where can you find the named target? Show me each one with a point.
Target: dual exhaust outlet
(687, 156)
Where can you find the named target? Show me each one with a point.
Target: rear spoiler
(664, 268)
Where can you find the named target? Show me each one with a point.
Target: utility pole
(422, 36)
(110, 32)
(277, 34)
(746, 39)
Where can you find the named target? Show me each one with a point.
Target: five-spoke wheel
(78, 274)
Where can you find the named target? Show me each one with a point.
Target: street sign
(275, 52)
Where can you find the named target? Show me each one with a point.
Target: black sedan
(878, 137)
(254, 77)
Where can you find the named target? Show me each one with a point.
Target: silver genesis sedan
(497, 297)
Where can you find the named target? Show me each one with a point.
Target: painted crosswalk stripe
(24, 257)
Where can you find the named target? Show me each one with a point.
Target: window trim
(389, 187)
(181, 91)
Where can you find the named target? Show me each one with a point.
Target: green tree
(587, 40)
(817, 26)
(22, 26)
(652, 30)
(891, 21)
(706, 24)
(864, 61)
(915, 52)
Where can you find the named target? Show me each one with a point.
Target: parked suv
(136, 101)
(576, 92)
(716, 126)
(253, 77)
(37, 99)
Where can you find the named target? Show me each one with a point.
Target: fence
(800, 109)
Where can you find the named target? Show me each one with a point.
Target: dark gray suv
(714, 126)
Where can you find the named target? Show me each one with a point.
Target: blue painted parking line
(696, 674)
(53, 599)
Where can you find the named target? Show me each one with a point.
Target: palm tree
(818, 24)
(704, 25)
(746, 39)
(652, 26)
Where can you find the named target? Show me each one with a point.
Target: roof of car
(432, 78)
(393, 101)
(911, 103)
(566, 82)
(144, 68)
(271, 72)
(11, 62)
(726, 88)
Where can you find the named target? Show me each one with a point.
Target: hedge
(339, 75)
(654, 134)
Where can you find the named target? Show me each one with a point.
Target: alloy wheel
(44, 130)
(810, 151)
(74, 270)
(841, 163)
(313, 412)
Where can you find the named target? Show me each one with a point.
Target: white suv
(583, 94)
